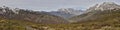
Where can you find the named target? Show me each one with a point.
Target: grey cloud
(52, 4)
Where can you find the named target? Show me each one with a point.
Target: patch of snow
(4, 10)
(15, 11)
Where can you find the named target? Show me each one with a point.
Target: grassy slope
(7, 24)
(24, 25)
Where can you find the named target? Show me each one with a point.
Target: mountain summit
(105, 6)
(70, 11)
(67, 12)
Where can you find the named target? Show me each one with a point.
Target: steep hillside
(100, 20)
(106, 19)
(28, 15)
(99, 11)
(98, 15)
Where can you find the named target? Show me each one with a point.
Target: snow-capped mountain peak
(105, 6)
(70, 11)
(5, 9)
(67, 12)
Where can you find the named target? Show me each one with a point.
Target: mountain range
(28, 15)
(67, 12)
(63, 15)
(104, 16)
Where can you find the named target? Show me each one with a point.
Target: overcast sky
(48, 5)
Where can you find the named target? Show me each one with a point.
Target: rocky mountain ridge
(28, 15)
(98, 12)
(67, 12)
